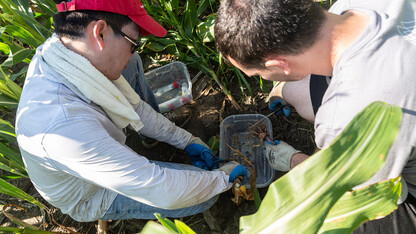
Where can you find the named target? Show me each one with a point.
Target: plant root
(240, 192)
(257, 131)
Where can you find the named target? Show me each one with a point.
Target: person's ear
(99, 29)
(281, 63)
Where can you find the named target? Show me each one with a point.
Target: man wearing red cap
(73, 111)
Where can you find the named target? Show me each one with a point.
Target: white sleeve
(84, 149)
(160, 128)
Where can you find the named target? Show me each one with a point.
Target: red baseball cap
(134, 9)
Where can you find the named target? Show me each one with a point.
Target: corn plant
(190, 38)
(316, 196)
(24, 25)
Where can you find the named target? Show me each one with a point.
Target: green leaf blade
(183, 228)
(166, 223)
(11, 190)
(153, 227)
(355, 207)
(7, 131)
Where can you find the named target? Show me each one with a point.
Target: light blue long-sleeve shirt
(77, 158)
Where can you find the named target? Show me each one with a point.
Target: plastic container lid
(171, 85)
(238, 131)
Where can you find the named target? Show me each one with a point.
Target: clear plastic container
(240, 132)
(171, 85)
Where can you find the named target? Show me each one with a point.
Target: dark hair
(248, 31)
(72, 24)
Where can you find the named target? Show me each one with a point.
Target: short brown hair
(248, 31)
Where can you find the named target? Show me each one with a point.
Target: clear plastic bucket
(171, 85)
(239, 132)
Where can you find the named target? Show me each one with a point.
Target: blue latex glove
(200, 155)
(277, 104)
(276, 142)
(204, 165)
(238, 171)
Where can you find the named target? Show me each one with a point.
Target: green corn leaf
(241, 78)
(4, 48)
(175, 4)
(45, 20)
(5, 90)
(355, 207)
(263, 86)
(190, 20)
(153, 227)
(3, 75)
(22, 17)
(22, 230)
(168, 6)
(257, 199)
(4, 166)
(7, 131)
(166, 223)
(174, 36)
(203, 5)
(160, 44)
(22, 35)
(24, 7)
(155, 46)
(7, 6)
(183, 228)
(11, 161)
(13, 191)
(169, 15)
(10, 153)
(214, 144)
(8, 87)
(300, 200)
(22, 72)
(17, 57)
(205, 30)
(2, 29)
(47, 6)
(35, 28)
(8, 102)
(10, 176)
(14, 88)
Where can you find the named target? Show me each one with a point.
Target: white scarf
(117, 98)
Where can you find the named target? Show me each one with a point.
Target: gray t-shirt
(379, 65)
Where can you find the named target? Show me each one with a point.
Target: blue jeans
(126, 208)
(134, 74)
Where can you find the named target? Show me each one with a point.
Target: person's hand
(200, 154)
(278, 103)
(279, 154)
(234, 169)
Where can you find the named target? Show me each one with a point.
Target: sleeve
(340, 6)
(324, 135)
(84, 149)
(160, 128)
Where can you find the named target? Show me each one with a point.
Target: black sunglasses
(135, 44)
